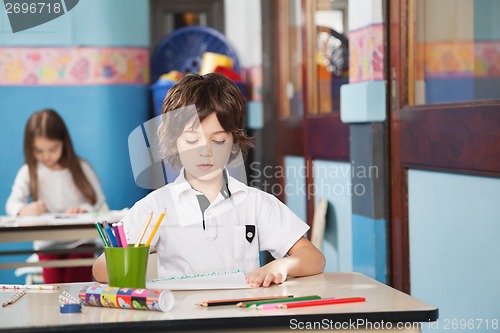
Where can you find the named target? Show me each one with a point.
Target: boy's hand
(267, 275)
(34, 208)
(303, 259)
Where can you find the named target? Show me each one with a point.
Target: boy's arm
(303, 259)
(99, 269)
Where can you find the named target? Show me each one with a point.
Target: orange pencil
(155, 228)
(144, 230)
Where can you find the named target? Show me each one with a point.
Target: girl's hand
(74, 210)
(34, 208)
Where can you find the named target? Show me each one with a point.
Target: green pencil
(101, 234)
(291, 299)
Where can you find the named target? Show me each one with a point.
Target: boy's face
(204, 150)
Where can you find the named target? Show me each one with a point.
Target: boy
(212, 221)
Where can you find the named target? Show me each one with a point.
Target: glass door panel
(457, 53)
(332, 54)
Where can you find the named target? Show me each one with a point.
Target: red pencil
(322, 301)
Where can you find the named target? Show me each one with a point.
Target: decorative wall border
(20, 66)
(458, 59)
(366, 53)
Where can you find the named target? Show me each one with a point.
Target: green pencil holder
(127, 266)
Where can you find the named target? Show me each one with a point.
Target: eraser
(70, 308)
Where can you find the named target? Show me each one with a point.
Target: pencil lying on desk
(14, 298)
(218, 302)
(323, 301)
(29, 286)
(291, 299)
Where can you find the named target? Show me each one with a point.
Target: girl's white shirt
(57, 190)
(185, 247)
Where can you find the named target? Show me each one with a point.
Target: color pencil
(155, 228)
(139, 240)
(101, 234)
(218, 302)
(323, 301)
(14, 298)
(109, 232)
(291, 299)
(117, 236)
(29, 286)
(121, 234)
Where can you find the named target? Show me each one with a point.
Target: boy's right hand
(34, 208)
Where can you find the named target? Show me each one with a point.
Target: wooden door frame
(400, 264)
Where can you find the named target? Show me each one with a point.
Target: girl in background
(57, 181)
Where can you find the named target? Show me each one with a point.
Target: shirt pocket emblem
(249, 232)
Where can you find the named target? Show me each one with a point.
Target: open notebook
(62, 218)
(214, 280)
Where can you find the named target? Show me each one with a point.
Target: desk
(52, 227)
(39, 311)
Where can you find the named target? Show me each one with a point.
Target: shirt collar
(181, 186)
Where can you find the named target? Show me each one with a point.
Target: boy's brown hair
(196, 97)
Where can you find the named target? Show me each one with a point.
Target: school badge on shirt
(249, 232)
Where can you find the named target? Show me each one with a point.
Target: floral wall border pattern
(21, 66)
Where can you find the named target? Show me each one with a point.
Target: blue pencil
(110, 234)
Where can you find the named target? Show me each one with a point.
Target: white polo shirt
(236, 228)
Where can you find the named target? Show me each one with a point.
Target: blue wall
(454, 251)
(99, 117)
(332, 181)
(89, 23)
(295, 182)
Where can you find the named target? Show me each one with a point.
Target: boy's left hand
(266, 275)
(303, 259)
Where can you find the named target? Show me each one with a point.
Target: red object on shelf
(230, 73)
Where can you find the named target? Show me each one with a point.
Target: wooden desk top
(39, 311)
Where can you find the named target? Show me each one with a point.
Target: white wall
(363, 13)
(244, 30)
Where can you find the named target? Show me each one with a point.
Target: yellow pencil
(144, 230)
(155, 228)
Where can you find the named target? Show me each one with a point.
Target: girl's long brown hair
(48, 124)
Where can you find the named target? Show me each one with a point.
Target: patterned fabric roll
(127, 298)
